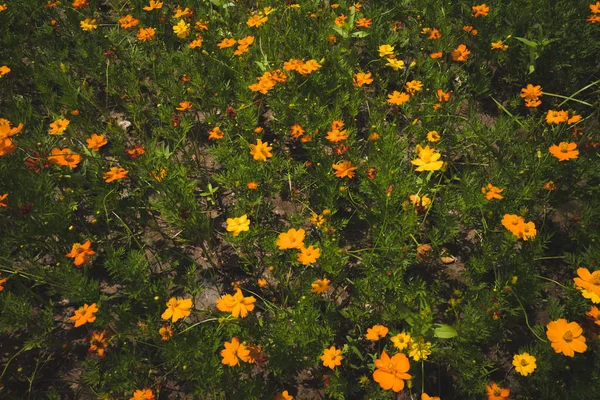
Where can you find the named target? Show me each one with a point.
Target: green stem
(527, 318)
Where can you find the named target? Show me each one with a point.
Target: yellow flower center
(391, 368)
(568, 336)
(497, 392)
(595, 279)
(524, 362)
(564, 147)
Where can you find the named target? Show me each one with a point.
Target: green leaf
(443, 331)
(360, 34)
(527, 42)
(340, 31)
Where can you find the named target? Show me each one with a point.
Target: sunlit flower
(532, 103)
(177, 309)
(376, 332)
(589, 284)
(495, 392)
(215, 133)
(427, 159)
(419, 350)
(179, 13)
(320, 285)
(385, 50)
(238, 225)
(344, 169)
(557, 117)
(492, 192)
(391, 372)
(531, 92)
(94, 142)
(260, 151)
(7, 130)
(339, 21)
(401, 341)
(433, 136)
(436, 55)
(564, 151)
(292, 239)
(361, 79)
(237, 304)
(256, 20)
(154, 5)
(364, 22)
(395, 64)
(115, 174)
(594, 314)
(524, 363)
(233, 352)
(480, 11)
(397, 98)
(308, 255)
(461, 53)
(64, 157)
(128, 22)
(566, 337)
(146, 34)
(81, 252)
(425, 396)
(332, 357)
(88, 24)
(84, 314)
(414, 86)
(58, 126)
(143, 394)
(4, 70)
(182, 29)
(499, 45)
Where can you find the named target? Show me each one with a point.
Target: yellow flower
(88, 24)
(237, 304)
(397, 98)
(256, 20)
(385, 50)
(182, 29)
(395, 63)
(238, 225)
(177, 309)
(414, 86)
(332, 357)
(361, 79)
(433, 136)
(401, 341)
(524, 363)
(420, 350)
(427, 159)
(154, 5)
(58, 126)
(260, 151)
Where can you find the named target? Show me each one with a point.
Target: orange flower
(237, 304)
(364, 22)
(165, 332)
(98, 343)
(252, 185)
(7, 147)
(391, 372)
(566, 337)
(2, 282)
(64, 157)
(2, 198)
(256, 20)
(80, 253)
(96, 141)
(135, 151)
(292, 239)
(433, 136)
(304, 68)
(233, 352)
(215, 133)
(308, 255)
(461, 53)
(495, 392)
(146, 34)
(557, 117)
(398, 98)
(427, 159)
(339, 21)
(58, 126)
(594, 314)
(499, 45)
(115, 174)
(296, 131)
(177, 308)
(425, 396)
(6, 130)
(201, 25)
(531, 92)
(320, 285)
(154, 5)
(336, 135)
(179, 13)
(480, 11)
(589, 284)
(549, 186)
(443, 96)
(4, 70)
(262, 282)
(332, 357)
(492, 192)
(564, 151)
(436, 54)
(144, 394)
(227, 42)
(184, 105)
(595, 8)
(344, 169)
(128, 22)
(517, 226)
(593, 19)
(376, 332)
(260, 151)
(283, 396)
(84, 314)
(532, 103)
(361, 79)
(435, 34)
